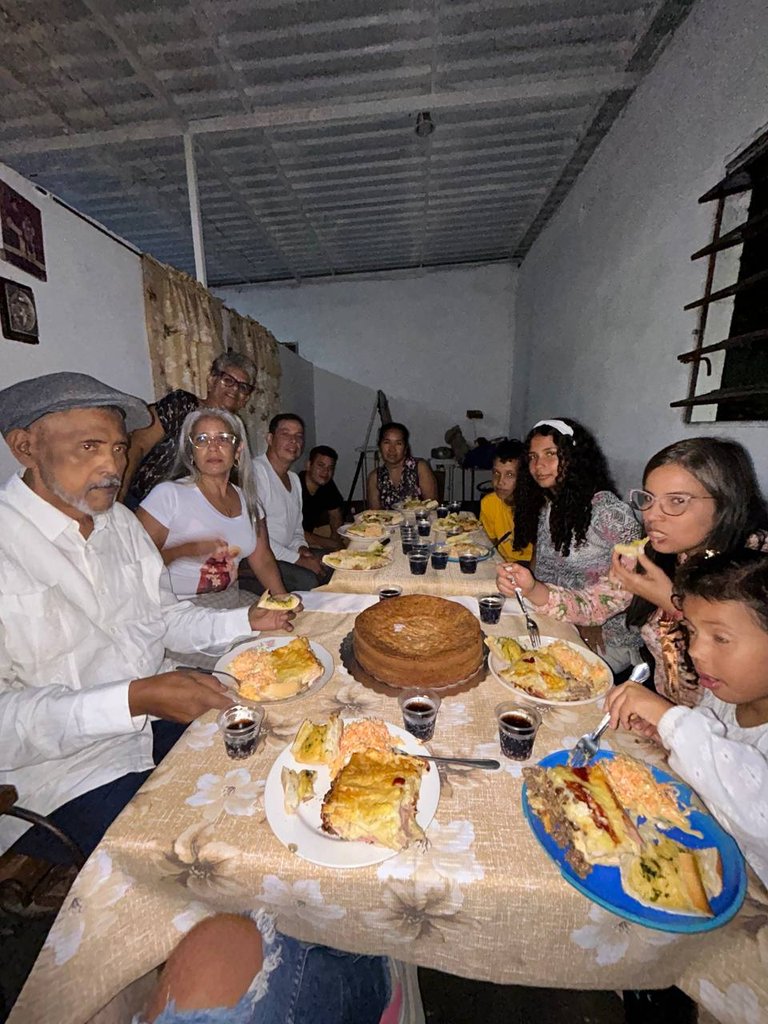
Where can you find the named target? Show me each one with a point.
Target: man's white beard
(70, 499)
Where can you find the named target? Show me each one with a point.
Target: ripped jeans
(300, 984)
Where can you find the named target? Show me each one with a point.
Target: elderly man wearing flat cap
(85, 619)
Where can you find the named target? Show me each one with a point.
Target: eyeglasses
(205, 440)
(670, 504)
(233, 384)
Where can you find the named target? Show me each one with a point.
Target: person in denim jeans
(232, 969)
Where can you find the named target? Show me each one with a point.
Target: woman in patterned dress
(566, 504)
(400, 475)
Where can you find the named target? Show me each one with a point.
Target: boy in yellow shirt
(496, 510)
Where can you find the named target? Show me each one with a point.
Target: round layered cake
(418, 641)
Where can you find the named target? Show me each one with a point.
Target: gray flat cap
(23, 403)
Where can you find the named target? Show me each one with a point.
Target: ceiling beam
(305, 114)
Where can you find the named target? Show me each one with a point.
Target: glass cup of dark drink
(387, 592)
(468, 564)
(442, 511)
(454, 506)
(408, 539)
(440, 556)
(490, 608)
(418, 563)
(423, 527)
(241, 727)
(419, 709)
(518, 725)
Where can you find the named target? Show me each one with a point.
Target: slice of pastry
(318, 744)
(284, 603)
(298, 787)
(373, 799)
(631, 549)
(274, 675)
(579, 809)
(667, 876)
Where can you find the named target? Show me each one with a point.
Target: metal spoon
(471, 762)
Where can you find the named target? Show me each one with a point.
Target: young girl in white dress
(720, 747)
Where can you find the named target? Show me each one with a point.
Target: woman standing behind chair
(400, 476)
(204, 520)
(567, 506)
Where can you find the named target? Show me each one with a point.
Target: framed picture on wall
(21, 233)
(18, 314)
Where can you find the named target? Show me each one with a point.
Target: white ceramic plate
(303, 830)
(371, 538)
(495, 664)
(271, 643)
(328, 560)
(388, 516)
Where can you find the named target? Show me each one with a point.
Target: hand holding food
(633, 707)
(180, 696)
(652, 583)
(265, 618)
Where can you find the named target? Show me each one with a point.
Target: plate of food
(381, 516)
(461, 545)
(374, 557)
(630, 837)
(275, 669)
(463, 521)
(364, 531)
(556, 673)
(416, 505)
(339, 797)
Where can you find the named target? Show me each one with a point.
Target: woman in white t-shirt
(205, 520)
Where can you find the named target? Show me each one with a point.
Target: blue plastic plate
(603, 884)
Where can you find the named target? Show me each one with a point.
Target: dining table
(483, 900)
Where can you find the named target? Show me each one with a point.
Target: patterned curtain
(187, 327)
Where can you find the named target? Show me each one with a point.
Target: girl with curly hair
(566, 504)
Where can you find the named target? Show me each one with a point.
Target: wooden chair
(30, 887)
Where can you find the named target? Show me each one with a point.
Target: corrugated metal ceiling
(303, 116)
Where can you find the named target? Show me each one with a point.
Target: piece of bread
(667, 876)
(632, 549)
(298, 787)
(284, 603)
(318, 744)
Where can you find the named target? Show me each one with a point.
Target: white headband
(560, 425)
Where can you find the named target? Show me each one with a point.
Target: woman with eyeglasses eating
(700, 497)
(204, 520)
(153, 449)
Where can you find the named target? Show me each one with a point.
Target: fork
(533, 630)
(589, 744)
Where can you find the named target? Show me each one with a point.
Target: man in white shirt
(84, 622)
(279, 493)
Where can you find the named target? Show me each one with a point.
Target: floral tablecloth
(484, 901)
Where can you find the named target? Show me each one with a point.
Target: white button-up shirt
(282, 510)
(79, 619)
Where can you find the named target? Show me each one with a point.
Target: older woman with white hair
(205, 519)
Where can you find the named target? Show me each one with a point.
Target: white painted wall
(600, 296)
(90, 310)
(436, 342)
(297, 393)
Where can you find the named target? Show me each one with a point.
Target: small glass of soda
(490, 608)
(423, 527)
(518, 725)
(440, 556)
(468, 564)
(419, 709)
(387, 592)
(241, 727)
(442, 511)
(418, 562)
